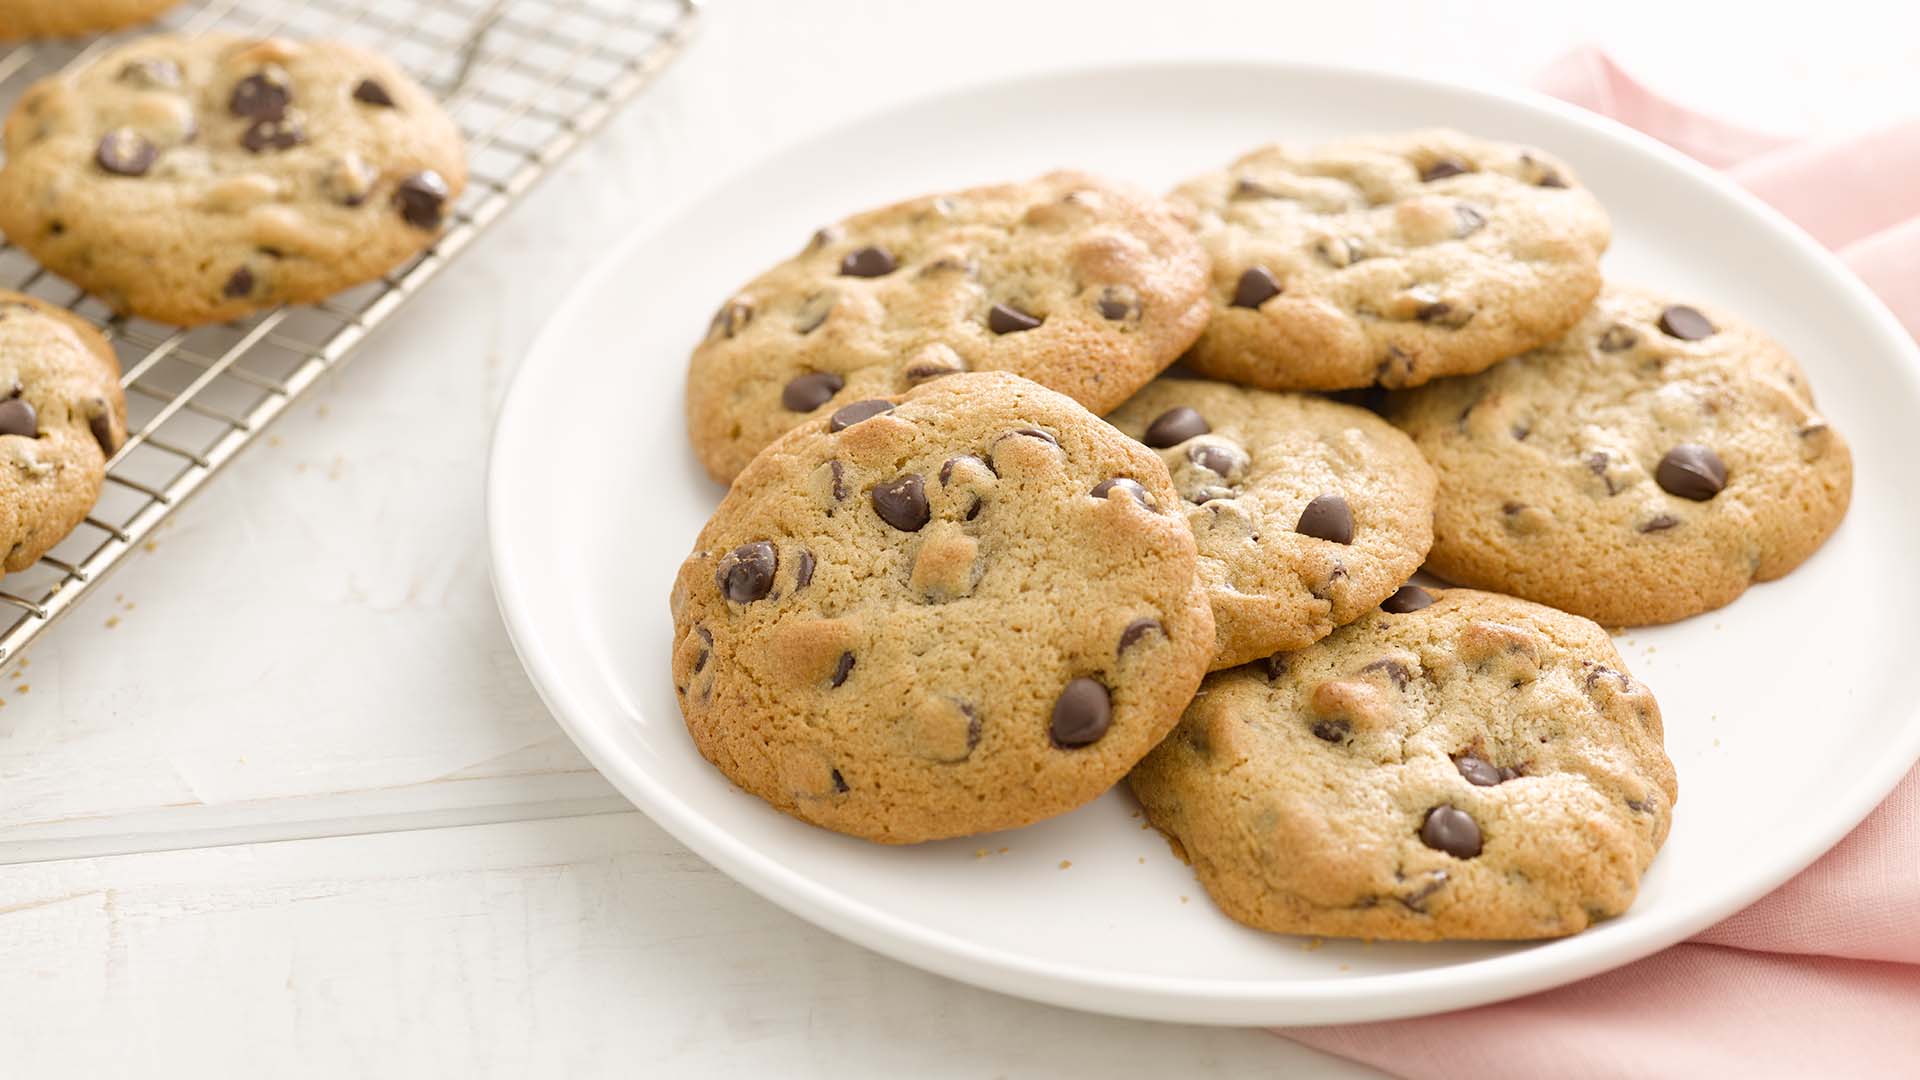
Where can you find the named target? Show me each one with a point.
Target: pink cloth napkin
(1821, 977)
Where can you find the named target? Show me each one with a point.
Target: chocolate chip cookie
(193, 180)
(21, 19)
(61, 417)
(1464, 765)
(1648, 466)
(1390, 259)
(1082, 285)
(961, 609)
(1307, 512)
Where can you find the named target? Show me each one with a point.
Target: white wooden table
(281, 800)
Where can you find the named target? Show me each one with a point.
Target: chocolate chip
(1175, 426)
(1618, 338)
(259, 97)
(18, 418)
(372, 93)
(1659, 523)
(1082, 714)
(810, 391)
(902, 503)
(1113, 305)
(839, 479)
(1406, 598)
(973, 511)
(421, 199)
(125, 152)
(706, 649)
(1217, 460)
(1395, 670)
(839, 783)
(1327, 517)
(927, 372)
(1685, 323)
(1007, 319)
(1104, 489)
(1481, 772)
(239, 284)
(745, 574)
(1257, 286)
(1441, 168)
(1451, 830)
(848, 415)
(1136, 630)
(1467, 221)
(946, 469)
(1332, 730)
(153, 72)
(101, 424)
(733, 316)
(843, 668)
(802, 570)
(1274, 666)
(1030, 433)
(867, 262)
(1691, 471)
(1244, 188)
(1437, 311)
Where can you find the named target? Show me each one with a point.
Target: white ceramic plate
(1789, 714)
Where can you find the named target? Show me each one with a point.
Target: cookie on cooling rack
(1307, 512)
(963, 609)
(1649, 465)
(1463, 765)
(195, 180)
(21, 19)
(61, 417)
(1389, 259)
(1082, 285)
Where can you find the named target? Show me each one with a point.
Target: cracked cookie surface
(1389, 259)
(1307, 512)
(1082, 285)
(1462, 766)
(61, 416)
(1649, 466)
(195, 180)
(967, 608)
(23, 19)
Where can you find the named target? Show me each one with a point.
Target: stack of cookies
(943, 595)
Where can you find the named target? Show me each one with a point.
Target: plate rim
(1237, 1001)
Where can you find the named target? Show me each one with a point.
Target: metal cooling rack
(526, 80)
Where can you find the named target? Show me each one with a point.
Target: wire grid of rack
(526, 80)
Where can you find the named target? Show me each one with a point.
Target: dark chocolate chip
(1618, 338)
(1685, 323)
(902, 503)
(1451, 830)
(1175, 426)
(1406, 598)
(1468, 220)
(802, 570)
(1007, 319)
(840, 783)
(369, 92)
(264, 135)
(1136, 630)
(810, 391)
(1659, 523)
(733, 316)
(1275, 665)
(848, 415)
(101, 424)
(125, 152)
(1434, 312)
(842, 668)
(239, 284)
(745, 574)
(1031, 433)
(1105, 488)
(421, 198)
(1113, 306)
(18, 418)
(1441, 168)
(706, 649)
(1244, 188)
(1327, 517)
(1417, 899)
(927, 372)
(1082, 714)
(1217, 460)
(1640, 806)
(946, 469)
(1257, 286)
(1332, 730)
(1481, 772)
(839, 479)
(258, 97)
(1394, 669)
(867, 262)
(1691, 471)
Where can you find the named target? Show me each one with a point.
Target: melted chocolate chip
(1685, 323)
(101, 424)
(1394, 669)
(259, 97)
(1007, 319)
(839, 479)
(1691, 471)
(810, 391)
(1082, 714)
(1451, 830)
(1441, 168)
(1175, 426)
(745, 574)
(848, 415)
(125, 152)
(1136, 630)
(1031, 433)
(1659, 523)
(1113, 306)
(927, 372)
(369, 92)
(842, 668)
(1327, 517)
(868, 262)
(18, 418)
(1332, 731)
(902, 503)
(239, 284)
(802, 570)
(1406, 598)
(706, 649)
(1105, 488)
(421, 199)
(1257, 285)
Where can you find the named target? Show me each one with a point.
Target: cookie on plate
(1082, 285)
(62, 416)
(1390, 259)
(1307, 512)
(962, 609)
(21, 19)
(192, 180)
(1458, 765)
(1648, 466)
